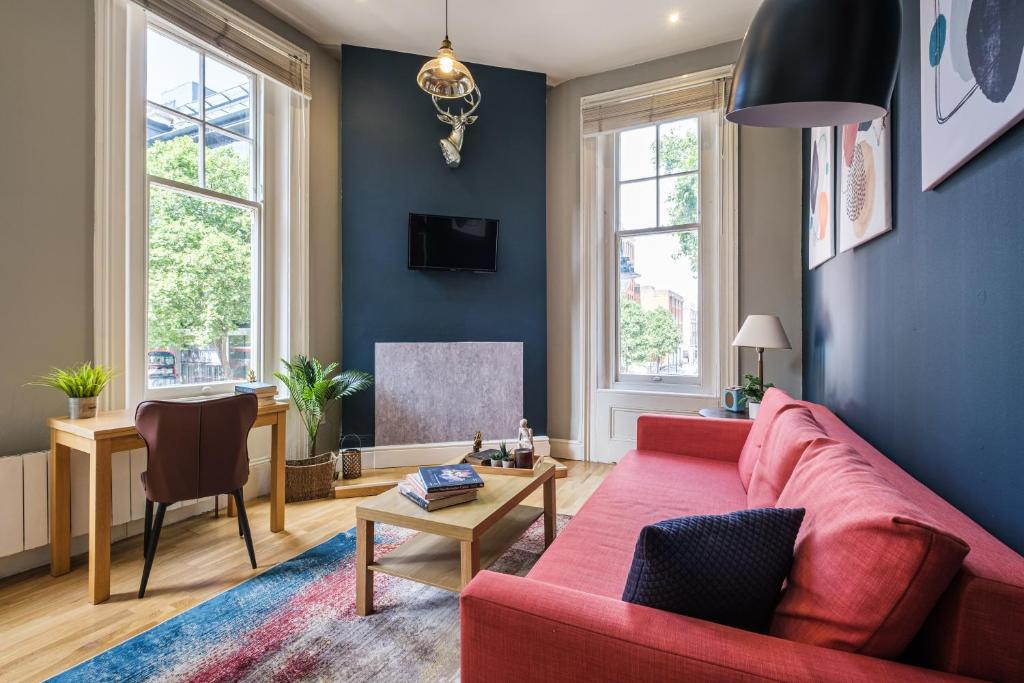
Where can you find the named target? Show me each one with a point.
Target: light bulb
(446, 64)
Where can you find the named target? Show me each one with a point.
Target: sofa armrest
(519, 630)
(700, 437)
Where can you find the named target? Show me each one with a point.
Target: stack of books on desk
(265, 393)
(433, 488)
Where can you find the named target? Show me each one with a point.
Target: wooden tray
(511, 471)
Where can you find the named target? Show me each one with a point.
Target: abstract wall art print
(821, 244)
(972, 82)
(865, 187)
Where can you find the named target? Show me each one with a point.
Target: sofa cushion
(869, 565)
(792, 435)
(727, 568)
(774, 401)
(594, 552)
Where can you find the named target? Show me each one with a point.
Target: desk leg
(99, 522)
(232, 509)
(470, 560)
(277, 438)
(60, 507)
(549, 510)
(364, 557)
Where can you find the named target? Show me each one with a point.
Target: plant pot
(309, 478)
(82, 407)
(752, 408)
(508, 463)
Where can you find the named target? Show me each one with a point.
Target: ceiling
(561, 38)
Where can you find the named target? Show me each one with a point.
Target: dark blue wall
(916, 339)
(392, 165)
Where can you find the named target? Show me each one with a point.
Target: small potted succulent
(82, 385)
(504, 456)
(754, 389)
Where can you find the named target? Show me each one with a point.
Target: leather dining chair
(194, 450)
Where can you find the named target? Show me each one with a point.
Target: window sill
(676, 390)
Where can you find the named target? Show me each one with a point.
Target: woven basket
(309, 478)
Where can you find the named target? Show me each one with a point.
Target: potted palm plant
(313, 387)
(81, 384)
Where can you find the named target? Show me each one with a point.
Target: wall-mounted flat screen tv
(452, 243)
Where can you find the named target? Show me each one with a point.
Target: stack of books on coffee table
(434, 488)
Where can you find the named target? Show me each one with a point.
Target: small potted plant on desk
(82, 385)
(754, 389)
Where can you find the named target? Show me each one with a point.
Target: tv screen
(452, 243)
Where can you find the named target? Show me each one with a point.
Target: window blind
(239, 37)
(630, 112)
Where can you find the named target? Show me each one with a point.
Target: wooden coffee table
(456, 542)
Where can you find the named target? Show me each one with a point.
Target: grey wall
(769, 231)
(46, 192)
(46, 138)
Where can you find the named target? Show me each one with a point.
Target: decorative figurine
(478, 442)
(252, 375)
(525, 435)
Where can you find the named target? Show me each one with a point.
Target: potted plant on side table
(312, 389)
(754, 389)
(82, 384)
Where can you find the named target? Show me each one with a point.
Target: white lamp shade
(762, 331)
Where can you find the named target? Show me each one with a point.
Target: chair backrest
(195, 449)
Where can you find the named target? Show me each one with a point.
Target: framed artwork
(865, 182)
(821, 243)
(972, 87)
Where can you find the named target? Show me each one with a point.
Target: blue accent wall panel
(916, 339)
(391, 166)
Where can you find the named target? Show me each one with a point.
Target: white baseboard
(418, 455)
(40, 557)
(566, 449)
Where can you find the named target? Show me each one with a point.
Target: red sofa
(567, 621)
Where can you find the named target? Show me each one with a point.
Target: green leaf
(83, 381)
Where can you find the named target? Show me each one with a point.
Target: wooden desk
(113, 432)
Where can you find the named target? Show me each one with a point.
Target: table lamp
(762, 332)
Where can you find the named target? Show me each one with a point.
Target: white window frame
(707, 240)
(139, 335)
(120, 249)
(610, 407)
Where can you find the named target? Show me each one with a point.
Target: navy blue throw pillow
(727, 569)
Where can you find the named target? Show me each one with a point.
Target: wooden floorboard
(47, 624)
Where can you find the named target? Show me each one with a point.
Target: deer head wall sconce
(451, 146)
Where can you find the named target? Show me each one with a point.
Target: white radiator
(25, 508)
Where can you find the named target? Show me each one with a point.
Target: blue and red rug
(297, 622)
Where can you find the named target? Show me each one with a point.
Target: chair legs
(148, 528)
(154, 534)
(151, 534)
(243, 524)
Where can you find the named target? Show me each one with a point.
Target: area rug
(297, 622)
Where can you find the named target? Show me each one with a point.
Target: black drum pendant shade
(811, 63)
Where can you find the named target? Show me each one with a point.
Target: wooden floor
(47, 624)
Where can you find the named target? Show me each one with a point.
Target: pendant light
(811, 63)
(444, 75)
